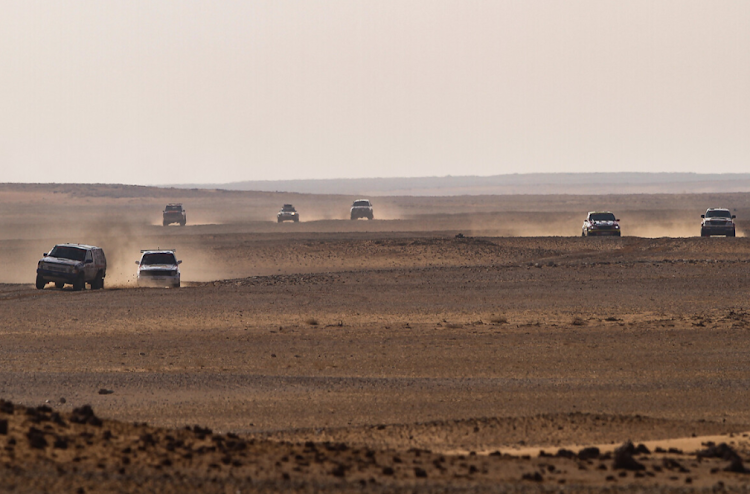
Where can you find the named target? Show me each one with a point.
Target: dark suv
(75, 264)
(362, 208)
(600, 223)
(174, 213)
(717, 221)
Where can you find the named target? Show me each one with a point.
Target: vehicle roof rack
(158, 249)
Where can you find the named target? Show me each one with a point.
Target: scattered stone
(63, 401)
(4, 427)
(420, 473)
(105, 391)
(624, 458)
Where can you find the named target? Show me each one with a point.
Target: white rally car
(159, 267)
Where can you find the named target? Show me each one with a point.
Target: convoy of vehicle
(599, 223)
(158, 267)
(80, 264)
(362, 208)
(287, 213)
(174, 213)
(72, 264)
(717, 221)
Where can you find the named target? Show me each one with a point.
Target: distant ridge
(528, 183)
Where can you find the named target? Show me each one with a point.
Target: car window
(362, 203)
(158, 258)
(72, 253)
(89, 256)
(602, 217)
(718, 214)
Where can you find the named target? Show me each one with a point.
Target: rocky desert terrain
(392, 355)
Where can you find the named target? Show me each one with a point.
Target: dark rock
(388, 471)
(565, 453)
(85, 415)
(533, 477)
(339, 471)
(641, 449)
(420, 473)
(60, 443)
(6, 407)
(4, 427)
(624, 460)
(105, 391)
(202, 430)
(36, 438)
(589, 453)
(671, 464)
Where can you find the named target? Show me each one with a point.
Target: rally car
(74, 264)
(287, 213)
(717, 221)
(362, 208)
(174, 213)
(600, 223)
(159, 267)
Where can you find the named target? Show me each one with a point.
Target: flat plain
(385, 356)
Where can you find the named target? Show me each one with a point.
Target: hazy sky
(215, 91)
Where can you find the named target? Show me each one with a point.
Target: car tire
(618, 234)
(164, 223)
(40, 282)
(59, 285)
(79, 284)
(98, 282)
(704, 234)
(176, 285)
(731, 234)
(182, 223)
(278, 220)
(296, 220)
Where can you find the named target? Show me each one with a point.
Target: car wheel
(40, 282)
(59, 285)
(164, 223)
(98, 282)
(79, 284)
(296, 220)
(278, 220)
(731, 234)
(704, 234)
(583, 233)
(182, 223)
(176, 285)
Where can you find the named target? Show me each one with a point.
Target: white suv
(159, 267)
